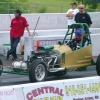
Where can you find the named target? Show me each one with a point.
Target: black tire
(1, 68)
(32, 70)
(98, 65)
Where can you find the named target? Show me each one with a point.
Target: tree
(8, 6)
(89, 4)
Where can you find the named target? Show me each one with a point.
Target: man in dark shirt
(82, 16)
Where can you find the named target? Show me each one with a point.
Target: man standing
(82, 16)
(18, 25)
(71, 14)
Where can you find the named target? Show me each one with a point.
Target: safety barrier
(87, 88)
(47, 20)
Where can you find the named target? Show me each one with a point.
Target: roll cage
(85, 29)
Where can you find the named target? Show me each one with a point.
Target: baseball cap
(73, 3)
(18, 11)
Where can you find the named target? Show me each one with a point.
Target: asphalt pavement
(12, 79)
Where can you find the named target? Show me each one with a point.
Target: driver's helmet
(78, 33)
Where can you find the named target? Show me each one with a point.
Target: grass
(55, 2)
(52, 6)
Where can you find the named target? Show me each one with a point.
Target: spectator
(18, 25)
(71, 14)
(82, 16)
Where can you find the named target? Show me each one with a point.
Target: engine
(50, 57)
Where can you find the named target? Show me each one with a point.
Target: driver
(78, 37)
(76, 41)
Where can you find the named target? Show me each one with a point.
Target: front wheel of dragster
(98, 65)
(38, 71)
(1, 68)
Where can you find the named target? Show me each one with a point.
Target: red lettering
(5, 93)
(8, 92)
(51, 89)
(57, 91)
(61, 94)
(11, 92)
(1, 93)
(34, 92)
(29, 96)
(40, 90)
(46, 89)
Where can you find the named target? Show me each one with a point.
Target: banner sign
(53, 91)
(66, 90)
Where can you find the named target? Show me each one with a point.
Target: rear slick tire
(98, 65)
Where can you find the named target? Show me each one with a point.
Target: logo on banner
(45, 91)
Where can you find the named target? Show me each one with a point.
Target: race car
(75, 51)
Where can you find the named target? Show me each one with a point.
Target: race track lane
(12, 79)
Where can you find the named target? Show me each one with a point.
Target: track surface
(12, 79)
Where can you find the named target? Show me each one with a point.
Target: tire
(1, 68)
(37, 66)
(98, 65)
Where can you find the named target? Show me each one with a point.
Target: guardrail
(87, 88)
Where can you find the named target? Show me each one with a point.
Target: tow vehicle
(56, 60)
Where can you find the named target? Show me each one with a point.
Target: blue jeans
(14, 43)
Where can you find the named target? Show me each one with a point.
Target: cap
(73, 3)
(18, 11)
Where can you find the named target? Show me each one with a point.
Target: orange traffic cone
(37, 45)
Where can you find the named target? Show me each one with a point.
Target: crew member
(82, 16)
(18, 25)
(71, 14)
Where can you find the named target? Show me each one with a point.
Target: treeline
(8, 6)
(90, 4)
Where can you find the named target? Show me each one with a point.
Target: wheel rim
(40, 72)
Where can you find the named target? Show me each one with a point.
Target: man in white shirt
(71, 14)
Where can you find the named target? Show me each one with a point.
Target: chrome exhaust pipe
(56, 69)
